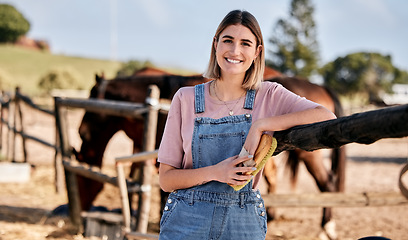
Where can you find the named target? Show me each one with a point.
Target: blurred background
(356, 47)
(56, 47)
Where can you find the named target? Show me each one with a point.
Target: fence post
(70, 177)
(58, 167)
(5, 103)
(20, 115)
(11, 134)
(149, 145)
(2, 104)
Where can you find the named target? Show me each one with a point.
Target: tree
(60, 78)
(295, 48)
(12, 24)
(362, 73)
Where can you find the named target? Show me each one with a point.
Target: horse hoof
(270, 214)
(61, 210)
(323, 236)
(329, 231)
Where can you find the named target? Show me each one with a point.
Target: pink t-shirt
(271, 99)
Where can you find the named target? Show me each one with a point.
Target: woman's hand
(253, 137)
(228, 171)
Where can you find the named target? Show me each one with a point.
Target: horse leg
(270, 175)
(88, 190)
(314, 164)
(339, 167)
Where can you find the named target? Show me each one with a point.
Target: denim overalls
(214, 210)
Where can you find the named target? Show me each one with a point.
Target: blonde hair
(254, 74)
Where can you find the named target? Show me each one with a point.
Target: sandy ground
(25, 207)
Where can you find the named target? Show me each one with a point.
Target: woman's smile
(234, 61)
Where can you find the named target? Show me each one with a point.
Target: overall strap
(199, 98)
(250, 99)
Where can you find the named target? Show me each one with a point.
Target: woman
(206, 128)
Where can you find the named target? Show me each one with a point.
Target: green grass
(24, 67)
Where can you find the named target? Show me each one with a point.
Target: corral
(397, 157)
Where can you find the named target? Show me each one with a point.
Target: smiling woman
(209, 124)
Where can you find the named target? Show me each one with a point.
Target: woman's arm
(226, 171)
(283, 122)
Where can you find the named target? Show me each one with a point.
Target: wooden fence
(364, 128)
(14, 123)
(148, 111)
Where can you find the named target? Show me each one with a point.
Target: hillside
(24, 67)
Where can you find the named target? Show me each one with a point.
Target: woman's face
(236, 49)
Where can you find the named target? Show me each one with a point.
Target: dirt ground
(25, 207)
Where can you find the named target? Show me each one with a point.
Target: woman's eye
(227, 41)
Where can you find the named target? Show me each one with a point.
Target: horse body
(134, 89)
(97, 129)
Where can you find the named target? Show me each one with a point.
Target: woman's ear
(215, 43)
(258, 51)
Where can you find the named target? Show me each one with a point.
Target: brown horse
(97, 129)
(133, 89)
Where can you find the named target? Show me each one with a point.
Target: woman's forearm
(283, 122)
(226, 171)
(289, 120)
(172, 179)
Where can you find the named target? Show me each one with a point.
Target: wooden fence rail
(365, 128)
(109, 107)
(30, 103)
(112, 107)
(334, 199)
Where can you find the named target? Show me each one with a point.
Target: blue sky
(178, 33)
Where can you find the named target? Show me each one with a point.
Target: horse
(134, 89)
(131, 89)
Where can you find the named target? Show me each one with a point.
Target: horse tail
(338, 108)
(338, 156)
(293, 166)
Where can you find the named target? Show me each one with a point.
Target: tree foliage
(60, 78)
(362, 72)
(12, 24)
(295, 48)
(132, 66)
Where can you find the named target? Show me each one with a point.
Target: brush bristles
(260, 165)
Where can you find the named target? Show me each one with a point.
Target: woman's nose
(236, 49)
